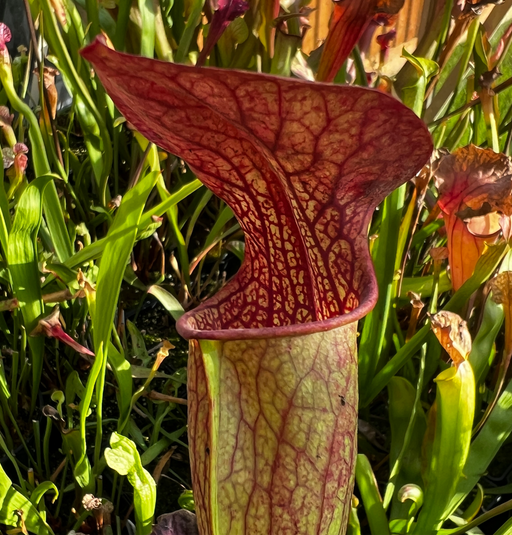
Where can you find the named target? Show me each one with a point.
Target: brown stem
(45, 92)
(498, 89)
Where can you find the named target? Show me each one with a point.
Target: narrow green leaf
(170, 303)
(160, 446)
(23, 259)
(482, 350)
(455, 409)
(384, 258)
(372, 501)
(120, 240)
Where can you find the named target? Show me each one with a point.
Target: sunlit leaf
(123, 457)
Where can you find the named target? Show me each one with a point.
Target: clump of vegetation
(111, 247)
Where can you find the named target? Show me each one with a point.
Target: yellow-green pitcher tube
(277, 455)
(272, 428)
(447, 452)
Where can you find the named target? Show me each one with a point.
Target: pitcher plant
(272, 372)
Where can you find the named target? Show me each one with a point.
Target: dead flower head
(475, 196)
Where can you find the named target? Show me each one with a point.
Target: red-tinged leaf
(349, 21)
(227, 11)
(51, 327)
(272, 385)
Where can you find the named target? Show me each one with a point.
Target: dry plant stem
(417, 307)
(498, 89)
(140, 167)
(157, 472)
(58, 470)
(40, 63)
(164, 397)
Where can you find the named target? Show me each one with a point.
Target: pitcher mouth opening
(187, 325)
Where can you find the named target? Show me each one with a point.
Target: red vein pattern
(272, 386)
(286, 437)
(302, 165)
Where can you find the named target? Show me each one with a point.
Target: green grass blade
(375, 324)
(118, 245)
(486, 265)
(372, 501)
(23, 259)
(170, 303)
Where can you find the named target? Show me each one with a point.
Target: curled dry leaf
(90, 502)
(101, 510)
(501, 287)
(49, 74)
(7, 157)
(452, 332)
(6, 117)
(417, 307)
(415, 299)
(475, 195)
(180, 522)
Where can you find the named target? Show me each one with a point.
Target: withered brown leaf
(452, 332)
